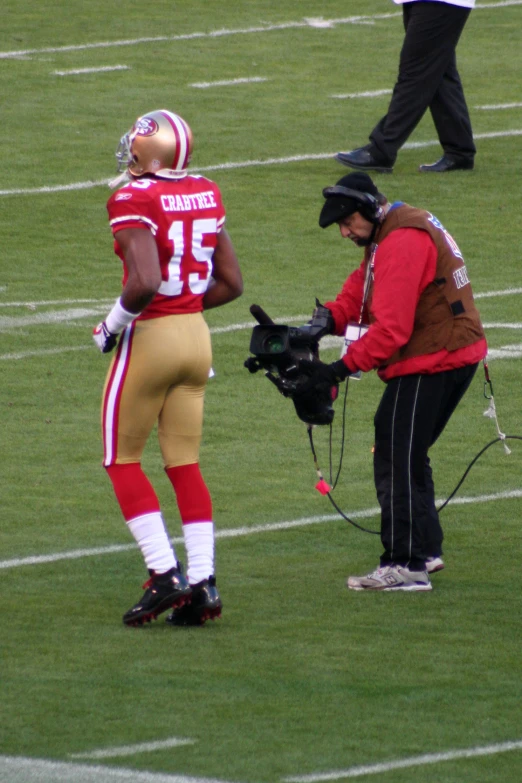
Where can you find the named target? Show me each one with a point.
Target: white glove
(104, 339)
(105, 335)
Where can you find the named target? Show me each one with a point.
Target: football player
(178, 260)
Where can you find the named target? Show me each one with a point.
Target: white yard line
(14, 356)
(237, 532)
(319, 22)
(499, 106)
(378, 93)
(10, 323)
(26, 770)
(504, 292)
(33, 304)
(268, 28)
(132, 750)
(52, 317)
(228, 82)
(100, 69)
(369, 94)
(316, 23)
(414, 761)
(17, 769)
(505, 352)
(244, 164)
(501, 325)
(56, 188)
(415, 145)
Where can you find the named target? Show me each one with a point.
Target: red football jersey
(184, 217)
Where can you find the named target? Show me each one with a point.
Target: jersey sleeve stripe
(130, 218)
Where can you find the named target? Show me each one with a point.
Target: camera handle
(260, 316)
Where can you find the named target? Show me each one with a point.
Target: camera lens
(274, 343)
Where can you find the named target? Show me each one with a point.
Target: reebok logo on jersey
(122, 196)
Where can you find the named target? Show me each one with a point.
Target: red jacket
(404, 264)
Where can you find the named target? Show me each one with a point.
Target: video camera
(279, 350)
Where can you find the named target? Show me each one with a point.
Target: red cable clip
(323, 487)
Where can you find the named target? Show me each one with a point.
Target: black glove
(318, 374)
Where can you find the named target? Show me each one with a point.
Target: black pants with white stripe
(428, 78)
(413, 412)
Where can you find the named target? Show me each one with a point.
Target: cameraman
(425, 339)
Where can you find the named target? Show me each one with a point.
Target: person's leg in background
(427, 75)
(427, 78)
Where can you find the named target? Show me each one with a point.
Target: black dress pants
(413, 412)
(428, 78)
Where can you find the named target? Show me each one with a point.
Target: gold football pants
(158, 374)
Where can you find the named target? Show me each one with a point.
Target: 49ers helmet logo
(159, 143)
(146, 126)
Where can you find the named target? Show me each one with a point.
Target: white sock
(151, 536)
(199, 543)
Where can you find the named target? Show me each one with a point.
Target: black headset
(373, 208)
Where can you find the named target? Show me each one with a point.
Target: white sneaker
(392, 577)
(434, 564)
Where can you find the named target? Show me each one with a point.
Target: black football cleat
(205, 605)
(162, 592)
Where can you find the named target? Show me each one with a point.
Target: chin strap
(119, 180)
(491, 411)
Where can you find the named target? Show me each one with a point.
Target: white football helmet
(158, 143)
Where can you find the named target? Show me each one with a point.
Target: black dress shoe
(363, 160)
(447, 164)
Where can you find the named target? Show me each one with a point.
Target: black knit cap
(338, 205)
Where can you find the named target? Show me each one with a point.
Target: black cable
(377, 532)
(328, 494)
(360, 527)
(481, 452)
(333, 484)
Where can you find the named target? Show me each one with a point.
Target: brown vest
(446, 316)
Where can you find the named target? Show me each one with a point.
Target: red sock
(192, 495)
(133, 490)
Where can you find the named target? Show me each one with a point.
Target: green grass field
(301, 680)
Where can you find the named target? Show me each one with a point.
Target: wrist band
(119, 318)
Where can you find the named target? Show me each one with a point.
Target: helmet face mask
(123, 153)
(159, 143)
